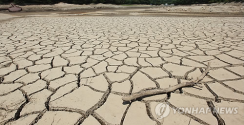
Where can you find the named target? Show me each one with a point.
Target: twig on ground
(167, 91)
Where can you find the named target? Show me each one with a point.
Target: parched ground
(73, 70)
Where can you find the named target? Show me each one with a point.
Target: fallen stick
(167, 91)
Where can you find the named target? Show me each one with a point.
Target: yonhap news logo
(162, 110)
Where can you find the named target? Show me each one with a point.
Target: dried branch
(147, 93)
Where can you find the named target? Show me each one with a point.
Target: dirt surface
(74, 67)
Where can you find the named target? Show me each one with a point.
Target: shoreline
(216, 7)
(63, 9)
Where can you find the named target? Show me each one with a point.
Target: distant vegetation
(153, 2)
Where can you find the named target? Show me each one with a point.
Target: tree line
(152, 2)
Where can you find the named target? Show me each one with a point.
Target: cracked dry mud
(75, 70)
